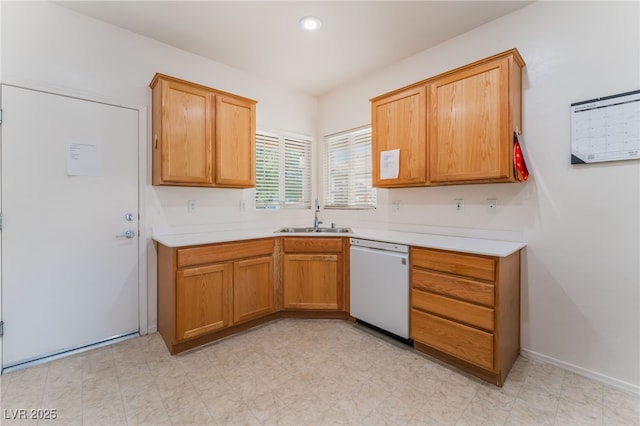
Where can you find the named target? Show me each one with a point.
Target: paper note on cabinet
(84, 159)
(389, 164)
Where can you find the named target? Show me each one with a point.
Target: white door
(69, 194)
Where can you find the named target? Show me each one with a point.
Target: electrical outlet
(459, 205)
(243, 205)
(395, 206)
(192, 206)
(492, 205)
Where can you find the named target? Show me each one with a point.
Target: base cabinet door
(252, 288)
(311, 281)
(202, 300)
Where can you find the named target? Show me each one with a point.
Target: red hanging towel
(521, 172)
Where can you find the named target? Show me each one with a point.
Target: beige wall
(581, 274)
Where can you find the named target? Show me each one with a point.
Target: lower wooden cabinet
(465, 309)
(202, 300)
(209, 291)
(311, 281)
(206, 289)
(313, 273)
(252, 288)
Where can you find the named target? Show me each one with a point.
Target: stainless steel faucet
(316, 222)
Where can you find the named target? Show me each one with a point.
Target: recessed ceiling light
(310, 23)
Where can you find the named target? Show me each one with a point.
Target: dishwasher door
(379, 289)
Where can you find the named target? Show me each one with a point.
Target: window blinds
(347, 183)
(283, 171)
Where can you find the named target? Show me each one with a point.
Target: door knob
(127, 234)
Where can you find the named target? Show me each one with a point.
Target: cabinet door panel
(311, 281)
(252, 288)
(235, 142)
(399, 122)
(470, 138)
(202, 300)
(187, 134)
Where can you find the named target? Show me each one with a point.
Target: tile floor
(299, 372)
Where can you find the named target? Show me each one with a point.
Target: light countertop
(444, 242)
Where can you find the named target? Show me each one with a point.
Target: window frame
(351, 140)
(286, 141)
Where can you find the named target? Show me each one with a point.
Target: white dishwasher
(379, 286)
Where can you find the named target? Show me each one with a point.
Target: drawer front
(463, 342)
(468, 265)
(449, 285)
(313, 244)
(224, 252)
(468, 313)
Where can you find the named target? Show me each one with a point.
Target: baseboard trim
(616, 383)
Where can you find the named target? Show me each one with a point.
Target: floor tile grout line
(532, 372)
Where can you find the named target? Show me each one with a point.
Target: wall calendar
(606, 129)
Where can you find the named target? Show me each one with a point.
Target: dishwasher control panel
(379, 245)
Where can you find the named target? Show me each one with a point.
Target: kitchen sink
(292, 230)
(341, 230)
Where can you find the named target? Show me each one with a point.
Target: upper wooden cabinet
(398, 122)
(454, 128)
(182, 133)
(473, 113)
(235, 142)
(201, 136)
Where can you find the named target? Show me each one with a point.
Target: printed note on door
(84, 159)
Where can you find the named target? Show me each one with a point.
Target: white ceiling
(263, 38)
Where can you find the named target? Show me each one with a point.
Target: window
(283, 171)
(348, 170)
